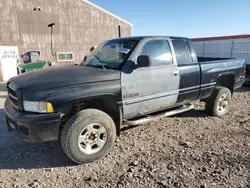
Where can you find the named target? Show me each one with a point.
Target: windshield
(111, 55)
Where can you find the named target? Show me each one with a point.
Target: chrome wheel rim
(223, 103)
(92, 138)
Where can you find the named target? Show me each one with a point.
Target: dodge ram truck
(124, 81)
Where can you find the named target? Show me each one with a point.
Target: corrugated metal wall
(238, 48)
(79, 26)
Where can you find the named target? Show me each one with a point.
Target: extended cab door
(153, 88)
(189, 70)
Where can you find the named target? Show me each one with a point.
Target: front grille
(14, 95)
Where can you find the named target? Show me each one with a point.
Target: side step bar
(184, 108)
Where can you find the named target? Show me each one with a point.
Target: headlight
(40, 107)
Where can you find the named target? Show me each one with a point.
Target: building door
(153, 88)
(9, 57)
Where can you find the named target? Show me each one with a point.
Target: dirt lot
(189, 150)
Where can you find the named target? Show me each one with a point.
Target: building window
(65, 56)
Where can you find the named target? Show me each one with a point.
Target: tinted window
(159, 51)
(182, 52)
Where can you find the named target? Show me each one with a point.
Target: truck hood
(63, 76)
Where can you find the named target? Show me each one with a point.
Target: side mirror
(92, 49)
(143, 61)
(85, 58)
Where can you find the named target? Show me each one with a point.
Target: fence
(227, 49)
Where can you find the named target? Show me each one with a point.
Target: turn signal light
(50, 108)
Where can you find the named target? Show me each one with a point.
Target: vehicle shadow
(192, 113)
(15, 154)
(243, 89)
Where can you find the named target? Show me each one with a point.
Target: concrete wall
(79, 25)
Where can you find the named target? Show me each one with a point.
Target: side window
(159, 51)
(192, 50)
(182, 52)
(62, 56)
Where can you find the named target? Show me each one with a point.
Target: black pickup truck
(124, 81)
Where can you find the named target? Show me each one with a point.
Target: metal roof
(221, 38)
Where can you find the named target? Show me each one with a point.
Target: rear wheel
(88, 136)
(219, 102)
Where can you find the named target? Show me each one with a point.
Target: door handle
(175, 73)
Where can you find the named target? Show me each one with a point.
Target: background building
(237, 46)
(60, 31)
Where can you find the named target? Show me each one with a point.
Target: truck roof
(143, 37)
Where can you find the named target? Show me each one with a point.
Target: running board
(184, 108)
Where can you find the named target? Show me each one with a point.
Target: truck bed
(213, 68)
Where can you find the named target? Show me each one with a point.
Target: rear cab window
(182, 52)
(159, 51)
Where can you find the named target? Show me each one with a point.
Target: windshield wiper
(100, 61)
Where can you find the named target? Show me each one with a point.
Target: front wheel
(219, 102)
(88, 136)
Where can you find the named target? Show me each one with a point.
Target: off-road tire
(212, 102)
(77, 123)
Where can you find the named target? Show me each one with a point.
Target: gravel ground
(188, 150)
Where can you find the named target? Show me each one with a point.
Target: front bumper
(32, 127)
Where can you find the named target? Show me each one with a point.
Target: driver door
(153, 88)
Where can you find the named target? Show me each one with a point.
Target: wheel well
(106, 104)
(227, 81)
